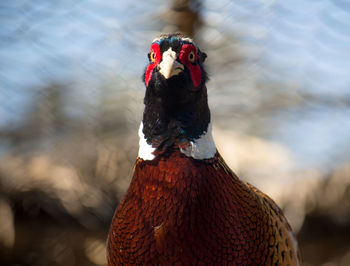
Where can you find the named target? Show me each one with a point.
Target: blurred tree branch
(184, 15)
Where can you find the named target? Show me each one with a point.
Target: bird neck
(185, 126)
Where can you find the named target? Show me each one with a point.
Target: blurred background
(71, 103)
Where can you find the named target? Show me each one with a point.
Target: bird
(184, 205)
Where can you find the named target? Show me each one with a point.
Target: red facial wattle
(194, 67)
(157, 58)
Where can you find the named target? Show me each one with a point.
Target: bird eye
(152, 56)
(191, 56)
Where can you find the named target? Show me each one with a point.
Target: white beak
(169, 66)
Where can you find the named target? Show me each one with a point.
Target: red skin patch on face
(155, 49)
(186, 49)
(194, 68)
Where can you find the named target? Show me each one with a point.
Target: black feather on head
(175, 109)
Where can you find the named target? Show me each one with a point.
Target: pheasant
(184, 205)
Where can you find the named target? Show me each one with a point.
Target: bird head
(175, 71)
(176, 105)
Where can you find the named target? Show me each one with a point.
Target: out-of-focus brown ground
(57, 203)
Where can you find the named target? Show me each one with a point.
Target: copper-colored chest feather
(186, 211)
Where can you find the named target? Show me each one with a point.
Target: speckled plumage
(181, 210)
